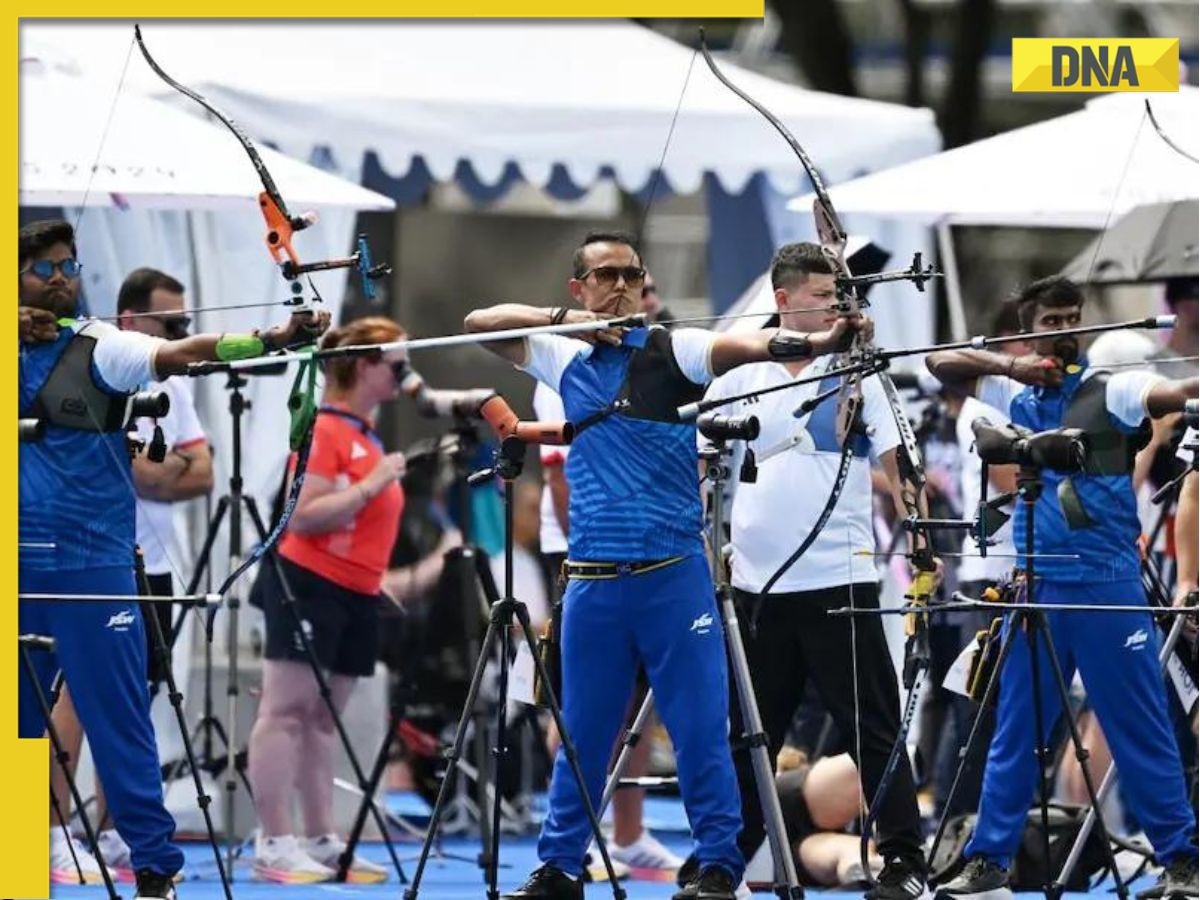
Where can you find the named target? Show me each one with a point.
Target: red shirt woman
(320, 598)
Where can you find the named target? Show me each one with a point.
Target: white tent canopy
(149, 155)
(581, 95)
(1074, 171)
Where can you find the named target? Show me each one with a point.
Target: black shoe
(713, 883)
(153, 886)
(1177, 882)
(548, 883)
(980, 880)
(688, 871)
(899, 880)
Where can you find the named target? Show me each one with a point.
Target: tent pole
(954, 300)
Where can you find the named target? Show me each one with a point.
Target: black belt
(597, 570)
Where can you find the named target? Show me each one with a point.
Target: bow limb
(1166, 137)
(302, 406)
(281, 225)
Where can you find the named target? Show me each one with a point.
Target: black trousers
(790, 640)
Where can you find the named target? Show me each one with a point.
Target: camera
(716, 427)
(148, 405)
(1060, 449)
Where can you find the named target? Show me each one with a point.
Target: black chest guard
(1110, 450)
(70, 398)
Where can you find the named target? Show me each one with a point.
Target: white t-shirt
(124, 360)
(155, 518)
(974, 567)
(548, 407)
(772, 515)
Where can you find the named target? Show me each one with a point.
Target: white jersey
(797, 460)
(999, 559)
(155, 518)
(548, 407)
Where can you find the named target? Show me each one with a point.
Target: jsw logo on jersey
(1137, 640)
(703, 624)
(121, 621)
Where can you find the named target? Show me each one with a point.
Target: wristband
(239, 346)
(785, 345)
(558, 314)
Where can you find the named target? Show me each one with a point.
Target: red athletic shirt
(345, 450)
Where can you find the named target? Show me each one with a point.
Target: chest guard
(655, 387)
(1111, 451)
(70, 397)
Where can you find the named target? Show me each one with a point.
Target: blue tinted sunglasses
(44, 268)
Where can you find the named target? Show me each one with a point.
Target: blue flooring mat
(443, 879)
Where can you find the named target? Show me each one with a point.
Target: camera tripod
(509, 462)
(1032, 622)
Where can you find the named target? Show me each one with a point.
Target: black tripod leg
(63, 758)
(360, 817)
(568, 748)
(176, 698)
(1081, 754)
(501, 752)
(205, 557)
(1041, 751)
(964, 754)
(487, 582)
(452, 757)
(289, 600)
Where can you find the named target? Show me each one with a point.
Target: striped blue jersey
(634, 481)
(75, 487)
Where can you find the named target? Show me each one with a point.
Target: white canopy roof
(149, 155)
(1075, 171)
(584, 95)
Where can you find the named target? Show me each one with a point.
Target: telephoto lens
(716, 427)
(149, 405)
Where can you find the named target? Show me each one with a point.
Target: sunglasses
(45, 268)
(176, 327)
(608, 275)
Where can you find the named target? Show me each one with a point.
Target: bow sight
(915, 273)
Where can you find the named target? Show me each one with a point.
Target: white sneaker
(648, 858)
(63, 867)
(282, 860)
(116, 855)
(328, 849)
(594, 869)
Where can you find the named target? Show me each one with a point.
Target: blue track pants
(666, 619)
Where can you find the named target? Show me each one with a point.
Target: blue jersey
(75, 487)
(635, 492)
(1105, 549)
